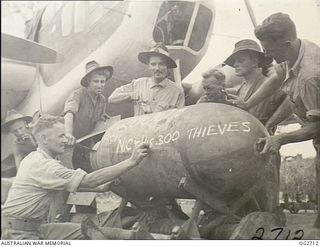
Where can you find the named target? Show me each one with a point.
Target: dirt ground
(300, 221)
(303, 220)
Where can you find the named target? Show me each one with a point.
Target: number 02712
(309, 242)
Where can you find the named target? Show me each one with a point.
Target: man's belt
(20, 224)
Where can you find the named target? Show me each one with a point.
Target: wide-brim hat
(248, 45)
(94, 66)
(158, 50)
(13, 115)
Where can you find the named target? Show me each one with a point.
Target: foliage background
(297, 175)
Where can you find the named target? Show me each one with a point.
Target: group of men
(271, 95)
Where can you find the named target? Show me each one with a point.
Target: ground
(300, 221)
(303, 220)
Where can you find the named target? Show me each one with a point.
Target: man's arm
(101, 188)
(273, 144)
(71, 107)
(283, 112)
(267, 89)
(17, 159)
(308, 132)
(108, 174)
(123, 93)
(202, 99)
(232, 90)
(68, 122)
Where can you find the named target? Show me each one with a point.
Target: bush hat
(248, 45)
(158, 50)
(13, 115)
(94, 66)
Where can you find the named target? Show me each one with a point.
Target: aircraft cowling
(211, 143)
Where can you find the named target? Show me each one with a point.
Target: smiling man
(41, 177)
(156, 93)
(86, 105)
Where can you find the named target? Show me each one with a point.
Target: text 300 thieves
(125, 145)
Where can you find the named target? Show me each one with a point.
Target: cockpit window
(182, 23)
(173, 22)
(200, 29)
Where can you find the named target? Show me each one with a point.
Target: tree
(297, 176)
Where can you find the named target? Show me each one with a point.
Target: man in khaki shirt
(86, 105)
(298, 75)
(156, 93)
(153, 94)
(41, 176)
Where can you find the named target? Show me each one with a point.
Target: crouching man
(214, 84)
(41, 176)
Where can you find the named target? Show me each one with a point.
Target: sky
(232, 23)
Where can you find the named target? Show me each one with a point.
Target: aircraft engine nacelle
(211, 143)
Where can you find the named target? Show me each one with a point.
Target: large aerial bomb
(211, 144)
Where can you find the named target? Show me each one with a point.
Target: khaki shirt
(87, 111)
(38, 180)
(152, 97)
(302, 81)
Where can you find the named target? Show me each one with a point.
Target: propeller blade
(27, 51)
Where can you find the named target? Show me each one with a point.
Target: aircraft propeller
(16, 48)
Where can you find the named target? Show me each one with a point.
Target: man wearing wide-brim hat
(155, 93)
(83, 109)
(248, 46)
(86, 105)
(24, 142)
(297, 73)
(247, 59)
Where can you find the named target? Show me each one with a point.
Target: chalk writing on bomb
(126, 144)
(218, 129)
